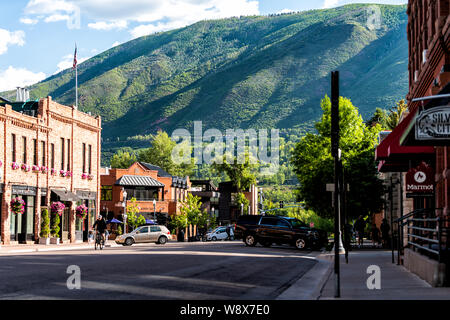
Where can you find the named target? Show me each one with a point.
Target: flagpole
(76, 86)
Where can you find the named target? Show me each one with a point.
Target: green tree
(395, 114)
(314, 164)
(239, 173)
(45, 223)
(132, 213)
(190, 208)
(123, 160)
(140, 221)
(241, 200)
(160, 154)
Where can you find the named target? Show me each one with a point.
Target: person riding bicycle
(100, 226)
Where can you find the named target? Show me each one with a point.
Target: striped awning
(138, 181)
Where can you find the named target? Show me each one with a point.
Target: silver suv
(155, 233)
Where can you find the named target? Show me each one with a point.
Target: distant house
(209, 194)
(229, 210)
(157, 192)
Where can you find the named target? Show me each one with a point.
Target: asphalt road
(188, 271)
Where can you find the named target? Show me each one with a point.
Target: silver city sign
(433, 124)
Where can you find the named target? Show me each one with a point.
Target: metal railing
(426, 233)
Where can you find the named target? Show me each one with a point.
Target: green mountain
(258, 71)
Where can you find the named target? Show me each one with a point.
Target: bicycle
(99, 241)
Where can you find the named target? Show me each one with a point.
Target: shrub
(55, 220)
(45, 224)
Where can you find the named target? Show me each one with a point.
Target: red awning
(393, 156)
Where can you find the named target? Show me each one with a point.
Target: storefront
(67, 198)
(82, 227)
(22, 225)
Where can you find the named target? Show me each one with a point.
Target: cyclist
(100, 226)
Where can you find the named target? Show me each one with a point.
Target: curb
(68, 248)
(310, 285)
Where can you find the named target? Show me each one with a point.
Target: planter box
(45, 241)
(54, 240)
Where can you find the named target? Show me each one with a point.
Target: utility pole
(335, 151)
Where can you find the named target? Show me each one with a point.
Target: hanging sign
(433, 124)
(420, 179)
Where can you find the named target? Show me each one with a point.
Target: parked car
(219, 233)
(155, 233)
(266, 230)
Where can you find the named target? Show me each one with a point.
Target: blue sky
(37, 37)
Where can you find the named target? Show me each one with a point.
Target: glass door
(28, 219)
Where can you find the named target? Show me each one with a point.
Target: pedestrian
(375, 234)
(385, 228)
(228, 230)
(359, 227)
(348, 235)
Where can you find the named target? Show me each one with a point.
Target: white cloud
(57, 17)
(115, 44)
(154, 15)
(330, 3)
(67, 62)
(102, 25)
(8, 38)
(28, 21)
(18, 77)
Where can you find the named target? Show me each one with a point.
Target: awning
(66, 195)
(138, 181)
(408, 137)
(86, 195)
(394, 157)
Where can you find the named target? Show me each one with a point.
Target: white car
(219, 233)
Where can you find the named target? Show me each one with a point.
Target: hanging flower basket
(36, 168)
(84, 176)
(15, 166)
(44, 169)
(62, 173)
(17, 206)
(81, 211)
(57, 208)
(53, 172)
(69, 173)
(25, 167)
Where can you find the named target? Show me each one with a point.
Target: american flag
(75, 58)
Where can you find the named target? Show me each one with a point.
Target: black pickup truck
(280, 230)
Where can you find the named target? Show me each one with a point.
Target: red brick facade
(168, 200)
(38, 140)
(429, 72)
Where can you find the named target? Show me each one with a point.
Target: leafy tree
(190, 208)
(241, 200)
(123, 160)
(132, 212)
(140, 221)
(239, 173)
(395, 114)
(314, 164)
(160, 154)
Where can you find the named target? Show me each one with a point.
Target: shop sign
(23, 190)
(433, 124)
(420, 179)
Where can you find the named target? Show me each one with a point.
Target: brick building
(145, 182)
(56, 145)
(420, 143)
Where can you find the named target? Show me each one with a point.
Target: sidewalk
(26, 248)
(397, 283)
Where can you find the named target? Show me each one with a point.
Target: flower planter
(45, 241)
(54, 240)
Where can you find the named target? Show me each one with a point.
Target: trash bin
(180, 236)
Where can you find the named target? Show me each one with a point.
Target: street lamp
(125, 211)
(154, 209)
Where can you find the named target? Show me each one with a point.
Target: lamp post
(154, 209)
(125, 211)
